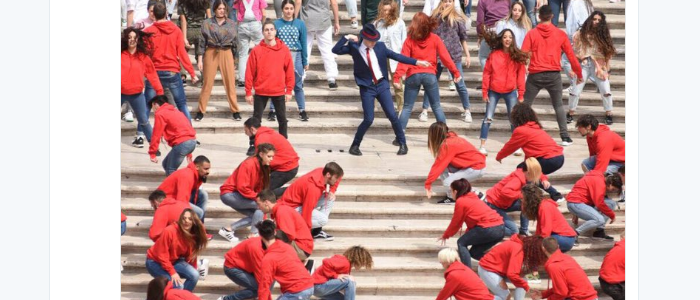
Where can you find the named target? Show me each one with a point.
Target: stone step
(414, 6)
(207, 296)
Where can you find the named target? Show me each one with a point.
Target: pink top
(258, 7)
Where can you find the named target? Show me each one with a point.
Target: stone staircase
(381, 202)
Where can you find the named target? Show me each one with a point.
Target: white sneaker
(220, 298)
(614, 1)
(228, 235)
(483, 151)
(203, 267)
(518, 152)
(423, 116)
(452, 86)
(354, 25)
(128, 116)
(467, 116)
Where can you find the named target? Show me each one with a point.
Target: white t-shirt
(375, 63)
(140, 8)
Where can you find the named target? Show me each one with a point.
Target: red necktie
(369, 63)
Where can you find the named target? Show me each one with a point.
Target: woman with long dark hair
(550, 221)
(174, 255)
(160, 288)
(241, 189)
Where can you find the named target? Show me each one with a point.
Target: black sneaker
(310, 266)
(138, 142)
(237, 116)
(481, 196)
(158, 153)
(323, 235)
(608, 120)
(240, 84)
(447, 200)
(271, 116)
(569, 118)
(251, 150)
(332, 86)
(199, 116)
(302, 116)
(478, 87)
(600, 234)
(395, 142)
(198, 144)
(566, 141)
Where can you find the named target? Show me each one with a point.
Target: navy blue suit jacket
(363, 76)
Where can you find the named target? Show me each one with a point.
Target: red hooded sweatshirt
(534, 141)
(613, 268)
(463, 284)
(471, 210)
(545, 44)
(506, 259)
(550, 220)
(247, 256)
(181, 183)
(169, 293)
(171, 124)
(507, 191)
(169, 48)
(428, 50)
(290, 222)
(503, 75)
(331, 268)
(286, 158)
(134, 68)
(606, 145)
(265, 65)
(281, 263)
(306, 191)
(169, 247)
(123, 217)
(245, 179)
(568, 279)
(457, 152)
(590, 189)
(168, 212)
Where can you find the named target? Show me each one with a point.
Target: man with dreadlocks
(333, 277)
(594, 48)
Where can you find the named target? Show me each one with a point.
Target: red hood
(456, 266)
(556, 257)
(601, 130)
(279, 45)
(165, 27)
(532, 125)
(193, 167)
(546, 30)
(424, 43)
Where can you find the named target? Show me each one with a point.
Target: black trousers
(616, 291)
(278, 179)
(259, 103)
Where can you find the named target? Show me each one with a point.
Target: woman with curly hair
(594, 48)
(550, 221)
(517, 21)
(392, 32)
(332, 280)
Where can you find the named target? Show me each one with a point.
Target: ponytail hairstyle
(437, 133)
(532, 197)
(532, 170)
(156, 288)
(196, 237)
(533, 255)
(359, 257)
(263, 149)
(462, 186)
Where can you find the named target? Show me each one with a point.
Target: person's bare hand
(306, 68)
(423, 63)
(346, 277)
(187, 44)
(442, 241)
(249, 99)
(458, 79)
(499, 161)
(469, 60)
(195, 79)
(612, 220)
(579, 80)
(405, 2)
(200, 65)
(352, 37)
(502, 284)
(546, 184)
(331, 196)
(397, 85)
(336, 28)
(177, 281)
(154, 160)
(428, 193)
(287, 98)
(574, 220)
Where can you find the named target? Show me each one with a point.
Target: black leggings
(616, 291)
(259, 103)
(549, 166)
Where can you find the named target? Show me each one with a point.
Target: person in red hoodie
(286, 164)
(332, 280)
(242, 187)
(280, 264)
(291, 228)
(606, 148)
(167, 211)
(137, 64)
(545, 44)
(270, 71)
(505, 262)
(174, 255)
(569, 280)
(550, 221)
(455, 158)
(460, 282)
(313, 196)
(612, 271)
(588, 200)
(185, 185)
(160, 288)
(484, 226)
(178, 133)
(168, 52)
(242, 264)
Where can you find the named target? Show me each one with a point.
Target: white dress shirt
(375, 62)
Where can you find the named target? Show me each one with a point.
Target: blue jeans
(613, 166)
(510, 98)
(138, 104)
(565, 242)
(481, 239)
(173, 82)
(511, 228)
(243, 279)
(298, 82)
(530, 7)
(303, 295)
(557, 6)
(461, 86)
(184, 269)
(123, 227)
(200, 207)
(331, 290)
(484, 51)
(593, 217)
(246, 206)
(177, 154)
(468, 9)
(492, 280)
(413, 84)
(381, 92)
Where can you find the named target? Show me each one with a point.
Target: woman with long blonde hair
(517, 21)
(392, 31)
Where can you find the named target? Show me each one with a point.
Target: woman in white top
(392, 31)
(517, 21)
(431, 5)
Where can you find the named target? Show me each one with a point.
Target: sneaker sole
(137, 146)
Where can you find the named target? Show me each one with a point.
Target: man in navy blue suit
(370, 70)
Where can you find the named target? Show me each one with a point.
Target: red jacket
(507, 191)
(590, 189)
(245, 179)
(306, 191)
(134, 68)
(169, 247)
(503, 75)
(247, 256)
(613, 268)
(168, 212)
(545, 43)
(534, 141)
(331, 268)
(606, 145)
(286, 158)
(568, 279)
(173, 125)
(169, 293)
(281, 263)
(550, 220)
(265, 65)
(428, 50)
(169, 48)
(457, 152)
(290, 222)
(463, 284)
(506, 259)
(471, 210)
(181, 183)
(123, 217)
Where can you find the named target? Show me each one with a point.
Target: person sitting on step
(588, 200)
(606, 148)
(332, 280)
(569, 280)
(550, 221)
(291, 228)
(461, 283)
(286, 163)
(160, 288)
(242, 264)
(186, 185)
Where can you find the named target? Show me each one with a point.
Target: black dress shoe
(395, 142)
(355, 150)
(199, 116)
(402, 150)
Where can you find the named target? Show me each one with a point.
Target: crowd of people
(275, 238)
